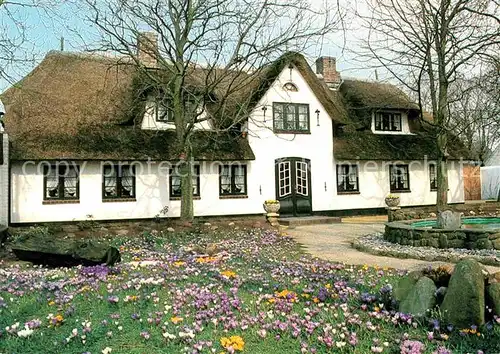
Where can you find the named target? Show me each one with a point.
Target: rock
(421, 298)
(122, 232)
(187, 224)
(440, 293)
(496, 244)
(213, 228)
(494, 278)
(449, 220)
(47, 250)
(405, 284)
(472, 212)
(432, 215)
(170, 229)
(231, 224)
(484, 244)
(493, 296)
(207, 224)
(463, 304)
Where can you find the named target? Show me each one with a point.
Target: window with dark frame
(164, 111)
(232, 180)
(61, 182)
(347, 178)
(118, 182)
(399, 178)
(175, 182)
(291, 117)
(433, 177)
(388, 121)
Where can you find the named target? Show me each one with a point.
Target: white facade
(4, 179)
(490, 182)
(494, 158)
(152, 180)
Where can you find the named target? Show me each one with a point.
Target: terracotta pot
(272, 208)
(392, 202)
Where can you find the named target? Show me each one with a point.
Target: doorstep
(309, 220)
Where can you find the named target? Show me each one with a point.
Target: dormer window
(164, 111)
(388, 121)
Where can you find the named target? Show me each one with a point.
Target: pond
(468, 223)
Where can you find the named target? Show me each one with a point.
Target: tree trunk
(442, 173)
(187, 209)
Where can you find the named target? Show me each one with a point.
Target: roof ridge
(98, 56)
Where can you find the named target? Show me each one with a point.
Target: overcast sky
(44, 32)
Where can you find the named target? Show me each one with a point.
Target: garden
(228, 290)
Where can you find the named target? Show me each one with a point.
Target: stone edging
(402, 232)
(385, 248)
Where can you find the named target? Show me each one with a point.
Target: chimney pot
(327, 67)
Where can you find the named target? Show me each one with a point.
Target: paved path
(333, 242)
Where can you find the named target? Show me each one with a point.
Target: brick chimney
(147, 49)
(327, 67)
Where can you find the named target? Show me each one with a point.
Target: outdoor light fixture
(264, 109)
(317, 116)
(290, 67)
(325, 186)
(260, 189)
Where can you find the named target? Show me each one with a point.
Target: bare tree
(208, 54)
(16, 48)
(427, 45)
(475, 112)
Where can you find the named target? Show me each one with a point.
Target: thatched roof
(375, 95)
(74, 106)
(365, 145)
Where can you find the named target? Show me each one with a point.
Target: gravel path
(333, 242)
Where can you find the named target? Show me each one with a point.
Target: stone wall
(425, 212)
(4, 179)
(403, 233)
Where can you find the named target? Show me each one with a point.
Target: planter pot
(272, 208)
(392, 202)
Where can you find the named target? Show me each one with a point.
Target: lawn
(257, 292)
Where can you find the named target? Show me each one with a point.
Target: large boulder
(463, 304)
(493, 292)
(421, 298)
(449, 220)
(48, 250)
(405, 284)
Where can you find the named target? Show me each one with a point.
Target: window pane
(239, 180)
(110, 187)
(290, 117)
(52, 184)
(127, 182)
(70, 183)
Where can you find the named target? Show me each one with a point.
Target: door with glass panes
(293, 186)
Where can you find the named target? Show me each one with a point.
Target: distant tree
(475, 112)
(230, 41)
(429, 44)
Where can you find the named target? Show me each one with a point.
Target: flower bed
(257, 293)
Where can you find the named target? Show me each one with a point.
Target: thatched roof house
(76, 106)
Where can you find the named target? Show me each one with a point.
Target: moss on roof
(368, 146)
(375, 95)
(79, 106)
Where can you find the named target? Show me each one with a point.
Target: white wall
(4, 181)
(374, 186)
(490, 182)
(317, 146)
(152, 190)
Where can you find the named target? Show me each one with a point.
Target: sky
(44, 30)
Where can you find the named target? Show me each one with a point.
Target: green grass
(327, 300)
